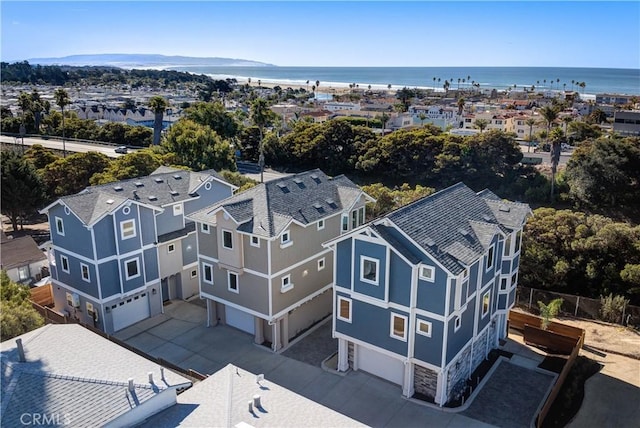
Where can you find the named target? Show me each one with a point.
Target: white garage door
(380, 365)
(240, 320)
(130, 311)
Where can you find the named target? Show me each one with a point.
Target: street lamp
(23, 131)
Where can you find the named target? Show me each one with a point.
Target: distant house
(121, 249)
(318, 116)
(422, 294)
(262, 266)
(65, 375)
(626, 123)
(223, 399)
(24, 262)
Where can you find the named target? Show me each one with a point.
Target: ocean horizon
(597, 80)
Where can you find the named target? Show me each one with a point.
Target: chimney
(131, 387)
(250, 404)
(150, 377)
(162, 373)
(21, 356)
(256, 401)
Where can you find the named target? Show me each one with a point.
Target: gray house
(422, 294)
(121, 249)
(262, 265)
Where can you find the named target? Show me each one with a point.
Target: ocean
(597, 80)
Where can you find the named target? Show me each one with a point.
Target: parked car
(122, 149)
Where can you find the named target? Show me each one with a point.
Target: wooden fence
(568, 339)
(42, 295)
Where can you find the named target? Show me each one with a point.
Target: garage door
(130, 311)
(380, 365)
(239, 319)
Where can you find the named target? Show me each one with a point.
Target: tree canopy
(22, 189)
(17, 316)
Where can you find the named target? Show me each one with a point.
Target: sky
(332, 33)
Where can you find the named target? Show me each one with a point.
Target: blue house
(119, 250)
(422, 294)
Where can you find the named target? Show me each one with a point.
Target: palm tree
(422, 117)
(582, 85)
(307, 86)
(460, 104)
(369, 87)
(158, 105)
(389, 86)
(556, 138)
(459, 83)
(434, 83)
(62, 100)
(481, 124)
(572, 83)
(318, 85)
(261, 116)
(567, 120)
(384, 117)
(530, 122)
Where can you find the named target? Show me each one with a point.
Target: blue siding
(189, 250)
(109, 278)
(432, 295)
(399, 280)
(217, 192)
(167, 222)
(516, 261)
(151, 270)
(372, 324)
(506, 266)
(147, 226)
(132, 284)
(429, 349)
(76, 239)
(473, 278)
(512, 297)
(343, 264)
(105, 237)
(74, 278)
(456, 340)
(502, 301)
(376, 251)
(129, 244)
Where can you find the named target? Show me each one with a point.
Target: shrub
(612, 307)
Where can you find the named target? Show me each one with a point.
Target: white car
(122, 150)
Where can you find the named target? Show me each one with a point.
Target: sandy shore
(338, 90)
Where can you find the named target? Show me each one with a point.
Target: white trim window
(344, 309)
(320, 224)
(207, 273)
(490, 258)
(504, 283)
(84, 271)
(227, 239)
(127, 229)
(177, 209)
(369, 270)
(232, 282)
(427, 273)
(457, 323)
(518, 241)
(486, 303)
(64, 263)
(23, 273)
(286, 284)
(321, 264)
(285, 239)
(507, 246)
(171, 248)
(59, 226)
(132, 268)
(423, 327)
(398, 327)
(204, 228)
(514, 279)
(255, 241)
(345, 223)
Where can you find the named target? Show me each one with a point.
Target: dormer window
(490, 258)
(60, 226)
(285, 239)
(227, 239)
(369, 270)
(177, 209)
(428, 273)
(320, 224)
(127, 229)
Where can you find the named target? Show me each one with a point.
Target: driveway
(180, 337)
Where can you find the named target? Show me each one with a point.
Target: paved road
(545, 156)
(74, 147)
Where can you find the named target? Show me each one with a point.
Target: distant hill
(144, 61)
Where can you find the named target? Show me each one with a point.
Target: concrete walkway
(179, 336)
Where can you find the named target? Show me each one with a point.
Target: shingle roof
(221, 400)
(19, 252)
(163, 187)
(72, 371)
(456, 225)
(268, 208)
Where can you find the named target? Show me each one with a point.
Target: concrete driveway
(180, 337)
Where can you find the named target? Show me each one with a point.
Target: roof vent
(318, 207)
(139, 184)
(430, 242)
(463, 231)
(153, 198)
(283, 187)
(315, 178)
(174, 193)
(505, 208)
(158, 180)
(487, 218)
(299, 182)
(110, 201)
(177, 177)
(117, 188)
(331, 203)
